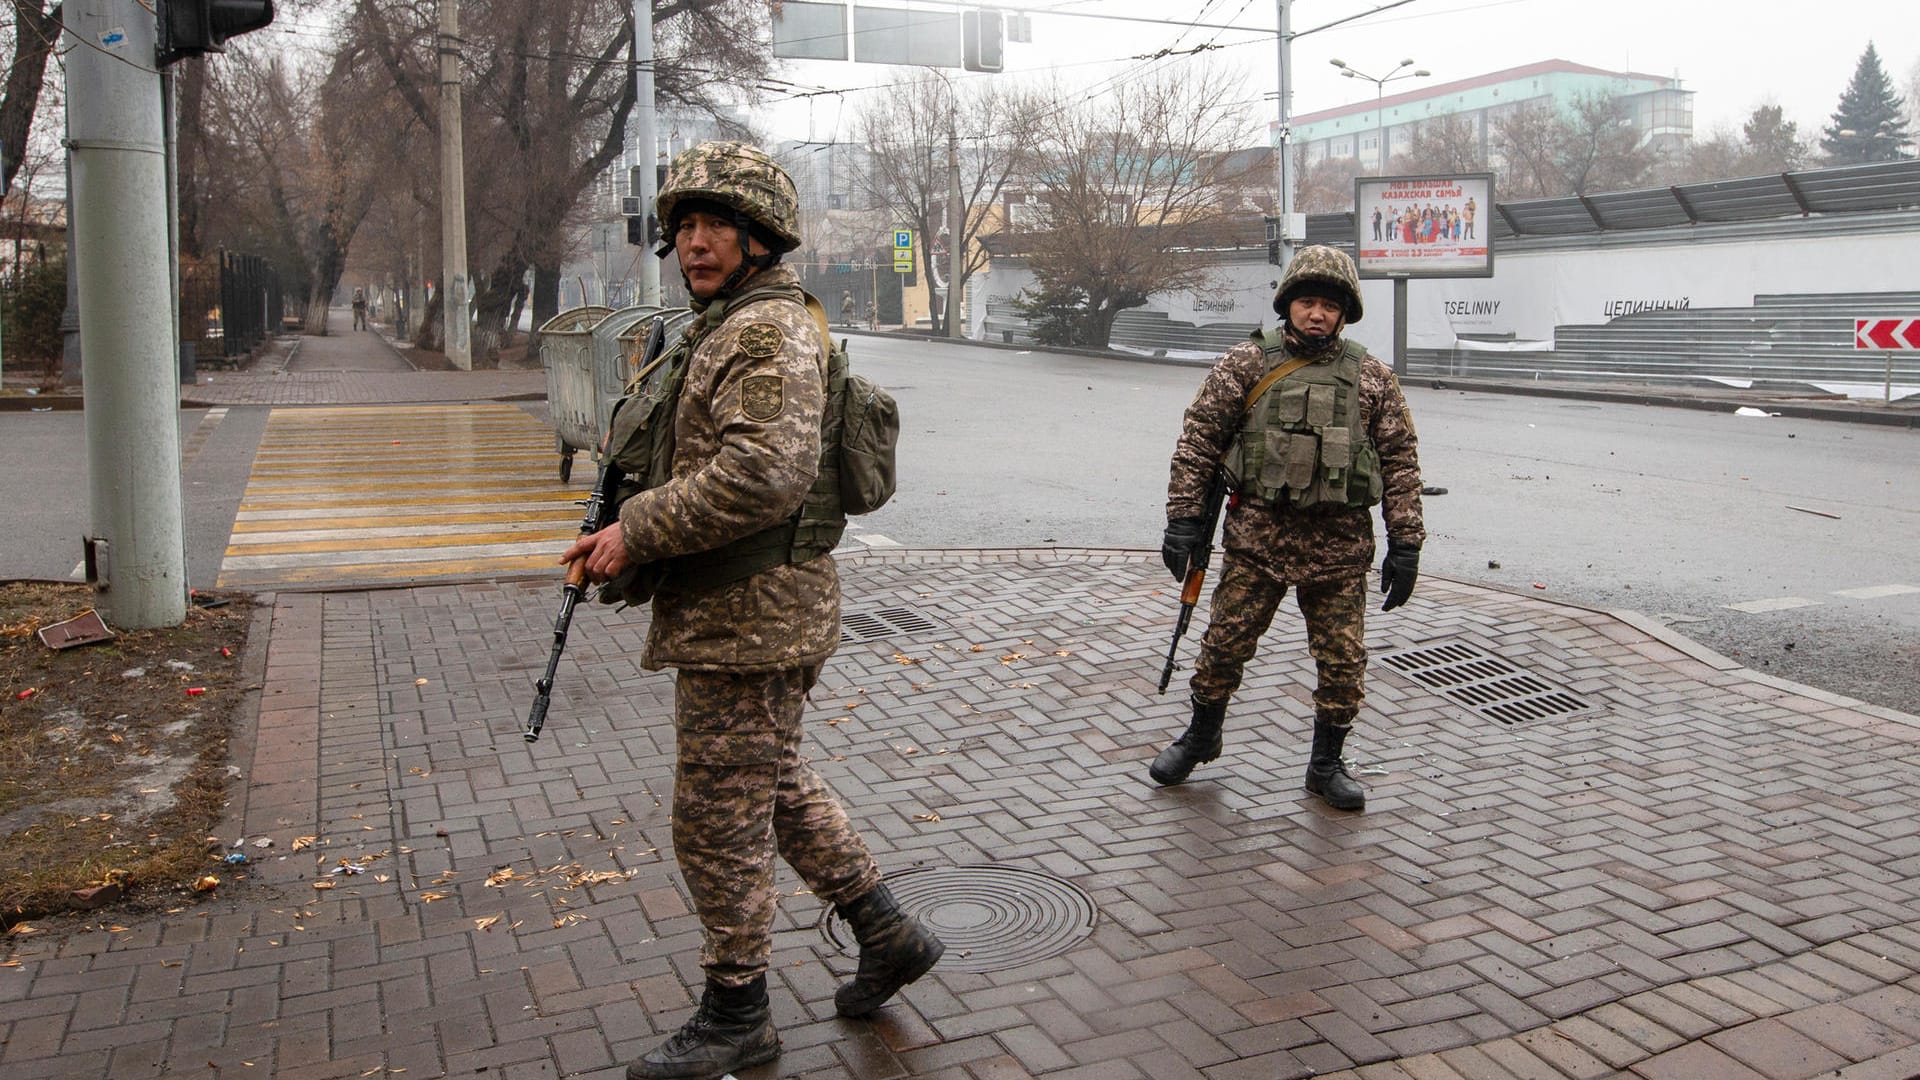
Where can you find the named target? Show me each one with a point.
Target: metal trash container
(566, 352)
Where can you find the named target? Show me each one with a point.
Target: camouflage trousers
(741, 793)
(1243, 605)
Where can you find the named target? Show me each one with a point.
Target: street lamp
(1379, 89)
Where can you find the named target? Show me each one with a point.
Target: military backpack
(859, 430)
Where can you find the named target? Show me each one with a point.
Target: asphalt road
(1671, 512)
(1675, 513)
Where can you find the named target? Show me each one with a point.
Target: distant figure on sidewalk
(873, 316)
(1312, 431)
(746, 605)
(846, 309)
(359, 309)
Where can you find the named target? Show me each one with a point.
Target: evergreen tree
(1868, 126)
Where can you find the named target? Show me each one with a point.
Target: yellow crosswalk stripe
(350, 494)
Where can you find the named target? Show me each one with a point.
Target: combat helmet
(1323, 266)
(743, 178)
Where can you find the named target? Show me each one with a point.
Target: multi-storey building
(1657, 107)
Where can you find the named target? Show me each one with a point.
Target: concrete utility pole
(454, 285)
(1284, 42)
(646, 153)
(119, 206)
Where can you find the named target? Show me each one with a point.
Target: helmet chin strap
(1313, 344)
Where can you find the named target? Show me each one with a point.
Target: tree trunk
(427, 333)
(190, 85)
(546, 302)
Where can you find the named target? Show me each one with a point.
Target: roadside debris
(1815, 513)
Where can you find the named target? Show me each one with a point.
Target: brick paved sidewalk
(1708, 873)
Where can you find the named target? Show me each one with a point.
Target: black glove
(1177, 547)
(1397, 573)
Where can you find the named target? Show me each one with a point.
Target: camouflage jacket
(746, 447)
(1292, 543)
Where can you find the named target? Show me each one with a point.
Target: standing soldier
(747, 608)
(1311, 431)
(846, 309)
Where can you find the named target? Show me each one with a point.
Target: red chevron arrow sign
(1886, 333)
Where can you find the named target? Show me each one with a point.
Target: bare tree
(1600, 149)
(300, 162)
(548, 89)
(36, 29)
(1527, 150)
(1324, 186)
(1444, 144)
(1130, 183)
(908, 130)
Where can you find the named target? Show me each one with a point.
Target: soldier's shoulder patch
(761, 340)
(762, 397)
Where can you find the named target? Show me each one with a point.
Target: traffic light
(193, 27)
(983, 36)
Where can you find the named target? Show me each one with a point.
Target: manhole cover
(1485, 684)
(877, 623)
(991, 917)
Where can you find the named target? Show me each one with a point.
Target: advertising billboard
(1423, 226)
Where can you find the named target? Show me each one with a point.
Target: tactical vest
(641, 441)
(1301, 441)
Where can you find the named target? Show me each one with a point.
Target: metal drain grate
(1485, 684)
(991, 917)
(882, 623)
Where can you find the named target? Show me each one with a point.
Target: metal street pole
(646, 153)
(1285, 45)
(453, 196)
(119, 201)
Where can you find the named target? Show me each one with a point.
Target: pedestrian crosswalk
(400, 493)
(1789, 603)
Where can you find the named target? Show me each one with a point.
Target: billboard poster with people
(1424, 226)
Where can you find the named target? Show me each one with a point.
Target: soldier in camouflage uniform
(1306, 456)
(747, 630)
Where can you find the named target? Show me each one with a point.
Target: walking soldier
(746, 606)
(1311, 432)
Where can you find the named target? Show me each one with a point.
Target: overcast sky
(1734, 56)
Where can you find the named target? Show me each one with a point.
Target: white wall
(1531, 292)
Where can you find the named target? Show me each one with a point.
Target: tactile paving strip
(991, 917)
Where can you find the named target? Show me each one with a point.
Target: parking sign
(903, 239)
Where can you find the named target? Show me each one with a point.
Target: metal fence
(229, 304)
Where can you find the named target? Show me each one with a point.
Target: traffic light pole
(119, 185)
(1285, 201)
(454, 285)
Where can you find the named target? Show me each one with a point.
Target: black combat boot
(730, 1030)
(1327, 774)
(894, 950)
(1200, 742)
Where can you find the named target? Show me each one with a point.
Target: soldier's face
(1316, 316)
(709, 249)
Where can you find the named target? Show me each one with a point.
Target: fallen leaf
(499, 878)
(1012, 656)
(430, 897)
(302, 843)
(928, 816)
(486, 923)
(323, 884)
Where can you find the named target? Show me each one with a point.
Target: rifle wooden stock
(1196, 569)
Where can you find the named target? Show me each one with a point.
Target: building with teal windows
(1656, 106)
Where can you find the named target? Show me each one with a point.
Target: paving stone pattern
(1712, 875)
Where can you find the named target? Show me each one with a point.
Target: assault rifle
(1197, 567)
(602, 511)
